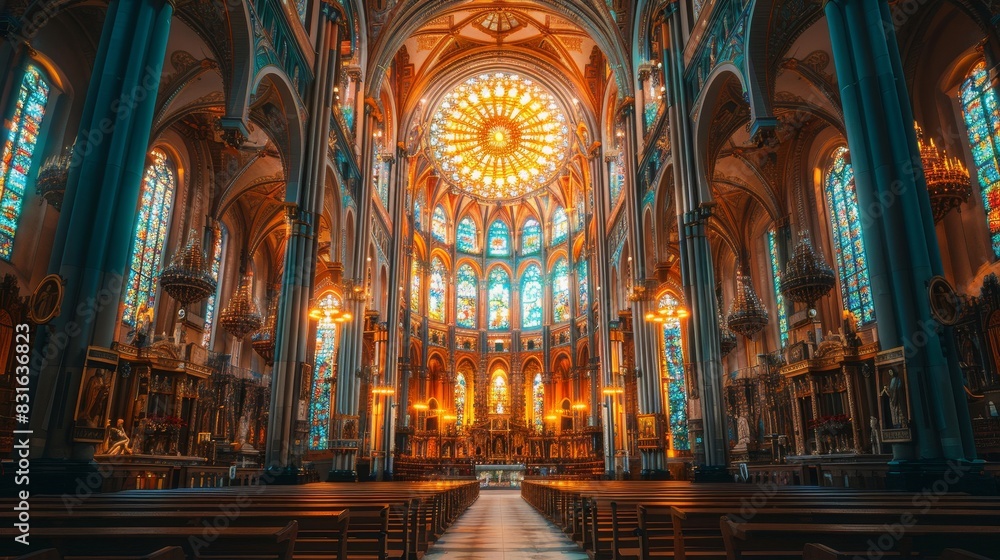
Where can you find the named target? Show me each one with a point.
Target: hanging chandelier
(948, 183)
(499, 137)
(747, 316)
(241, 317)
(807, 277)
(188, 278)
(52, 178)
(263, 341)
(727, 338)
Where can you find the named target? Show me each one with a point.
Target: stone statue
(118, 441)
(894, 390)
(876, 436)
(743, 430)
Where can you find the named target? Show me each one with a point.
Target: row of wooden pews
(392, 520)
(644, 520)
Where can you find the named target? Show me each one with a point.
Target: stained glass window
(982, 118)
(380, 175)
(560, 225)
(855, 286)
(467, 236)
(498, 394)
(323, 373)
(498, 240)
(302, 6)
(579, 211)
(466, 297)
(460, 393)
(560, 291)
(531, 237)
(436, 291)
(439, 225)
(531, 297)
(499, 299)
(538, 403)
(772, 251)
(418, 211)
(155, 201)
(415, 287)
(673, 359)
(617, 176)
(20, 141)
(583, 286)
(206, 337)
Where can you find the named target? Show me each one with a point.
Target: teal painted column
(95, 233)
(898, 228)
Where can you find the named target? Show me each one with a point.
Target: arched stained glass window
(531, 237)
(206, 338)
(150, 235)
(436, 291)
(498, 240)
(380, 175)
(673, 358)
(466, 297)
(531, 297)
(982, 118)
(617, 176)
(461, 390)
(560, 225)
(538, 403)
(560, 291)
(855, 286)
(19, 143)
(583, 286)
(418, 211)
(499, 299)
(439, 225)
(498, 394)
(415, 287)
(772, 251)
(467, 236)
(326, 358)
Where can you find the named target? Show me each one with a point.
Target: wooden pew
(165, 553)
(230, 543)
(815, 551)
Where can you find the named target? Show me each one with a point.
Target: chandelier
(948, 183)
(241, 316)
(807, 277)
(52, 178)
(188, 278)
(263, 341)
(727, 338)
(747, 315)
(499, 137)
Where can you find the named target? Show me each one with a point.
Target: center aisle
(502, 526)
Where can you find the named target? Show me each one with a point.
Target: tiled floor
(502, 526)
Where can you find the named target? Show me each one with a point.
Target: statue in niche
(876, 436)
(743, 431)
(894, 390)
(95, 399)
(117, 440)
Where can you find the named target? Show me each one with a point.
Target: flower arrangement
(164, 423)
(833, 425)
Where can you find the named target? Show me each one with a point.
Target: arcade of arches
(400, 239)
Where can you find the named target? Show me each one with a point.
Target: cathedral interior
(576, 239)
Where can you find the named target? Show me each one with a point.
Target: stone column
(93, 242)
(900, 241)
(391, 375)
(291, 339)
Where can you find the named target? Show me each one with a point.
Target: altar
(500, 476)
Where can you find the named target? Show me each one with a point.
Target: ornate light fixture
(747, 316)
(188, 277)
(241, 317)
(807, 277)
(499, 137)
(52, 178)
(727, 338)
(948, 181)
(263, 340)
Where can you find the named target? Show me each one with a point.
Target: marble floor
(502, 526)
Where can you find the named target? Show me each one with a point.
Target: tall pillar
(650, 396)
(697, 269)
(300, 256)
(900, 240)
(94, 236)
(602, 375)
(392, 375)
